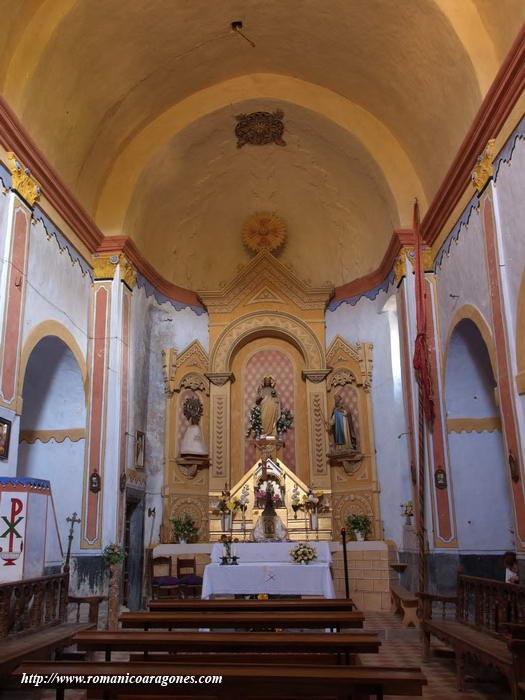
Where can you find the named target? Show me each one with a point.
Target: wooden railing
(486, 604)
(26, 606)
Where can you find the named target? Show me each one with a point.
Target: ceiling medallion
(259, 128)
(264, 231)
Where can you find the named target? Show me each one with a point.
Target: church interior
(262, 348)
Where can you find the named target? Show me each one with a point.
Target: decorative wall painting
(5, 435)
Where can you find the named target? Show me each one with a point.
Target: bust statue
(192, 442)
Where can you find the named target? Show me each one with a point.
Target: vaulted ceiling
(134, 104)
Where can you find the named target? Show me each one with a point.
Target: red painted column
(13, 288)
(98, 363)
(124, 392)
(444, 531)
(504, 371)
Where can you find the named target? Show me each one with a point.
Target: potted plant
(184, 528)
(360, 524)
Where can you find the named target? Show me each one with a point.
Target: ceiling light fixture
(236, 27)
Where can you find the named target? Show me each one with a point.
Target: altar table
(277, 578)
(249, 552)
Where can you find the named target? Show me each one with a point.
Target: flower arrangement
(113, 554)
(226, 504)
(255, 422)
(359, 523)
(303, 553)
(285, 421)
(184, 528)
(408, 509)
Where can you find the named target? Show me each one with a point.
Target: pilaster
(107, 452)
(317, 435)
(220, 389)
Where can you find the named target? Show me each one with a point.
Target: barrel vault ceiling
(134, 104)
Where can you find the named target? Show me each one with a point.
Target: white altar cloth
(276, 578)
(269, 552)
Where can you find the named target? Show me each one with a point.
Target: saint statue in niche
(270, 404)
(193, 442)
(342, 427)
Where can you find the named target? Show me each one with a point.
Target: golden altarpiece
(267, 323)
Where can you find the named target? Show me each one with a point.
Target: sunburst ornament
(264, 231)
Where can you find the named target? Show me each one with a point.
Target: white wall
(56, 288)
(156, 326)
(368, 321)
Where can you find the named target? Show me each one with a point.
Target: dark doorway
(134, 546)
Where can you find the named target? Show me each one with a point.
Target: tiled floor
(400, 647)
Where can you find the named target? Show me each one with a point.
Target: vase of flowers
(408, 512)
(360, 525)
(303, 553)
(184, 529)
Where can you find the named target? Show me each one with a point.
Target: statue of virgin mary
(270, 403)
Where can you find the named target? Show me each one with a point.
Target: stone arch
(263, 323)
(471, 312)
(478, 463)
(51, 328)
(53, 418)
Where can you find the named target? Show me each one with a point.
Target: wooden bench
(240, 681)
(320, 604)
(481, 609)
(33, 616)
(92, 601)
(404, 602)
(240, 643)
(242, 620)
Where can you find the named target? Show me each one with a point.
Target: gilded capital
(105, 266)
(483, 170)
(400, 263)
(22, 180)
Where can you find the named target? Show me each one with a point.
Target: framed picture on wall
(5, 435)
(140, 448)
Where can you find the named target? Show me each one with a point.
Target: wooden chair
(189, 582)
(163, 586)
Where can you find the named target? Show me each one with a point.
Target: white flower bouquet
(303, 553)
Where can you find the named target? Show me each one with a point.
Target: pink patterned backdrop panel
(278, 364)
(351, 403)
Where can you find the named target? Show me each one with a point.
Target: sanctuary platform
(368, 563)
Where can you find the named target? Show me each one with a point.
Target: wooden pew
(404, 602)
(182, 643)
(33, 620)
(485, 612)
(241, 681)
(239, 605)
(242, 620)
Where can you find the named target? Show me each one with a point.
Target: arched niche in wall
(476, 449)
(53, 425)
